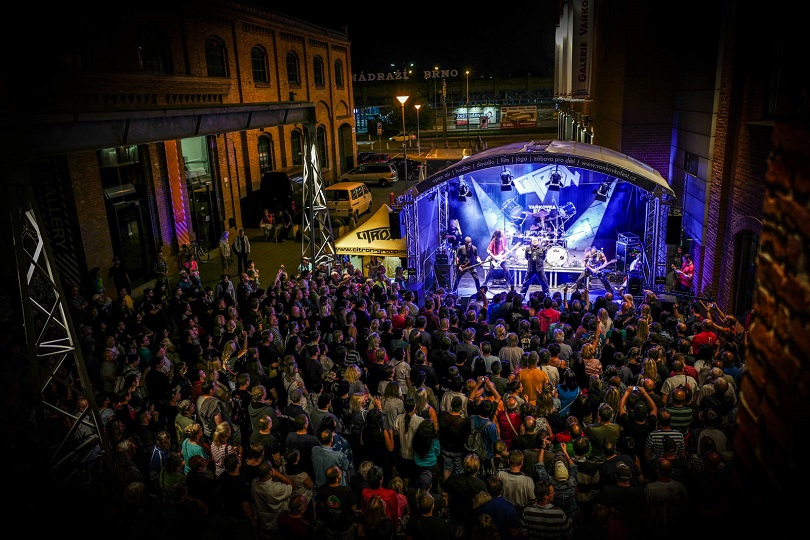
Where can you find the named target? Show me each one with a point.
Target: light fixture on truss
(555, 180)
(463, 191)
(603, 191)
(506, 180)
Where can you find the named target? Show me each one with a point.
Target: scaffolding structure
(317, 239)
(50, 364)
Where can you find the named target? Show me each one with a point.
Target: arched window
(153, 52)
(320, 144)
(265, 151)
(258, 63)
(297, 147)
(293, 73)
(317, 67)
(338, 73)
(216, 57)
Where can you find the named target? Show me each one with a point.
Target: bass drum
(556, 256)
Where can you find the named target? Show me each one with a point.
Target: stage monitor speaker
(444, 275)
(674, 224)
(623, 250)
(634, 286)
(395, 224)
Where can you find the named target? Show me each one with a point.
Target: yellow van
(348, 200)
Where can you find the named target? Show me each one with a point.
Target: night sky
(490, 42)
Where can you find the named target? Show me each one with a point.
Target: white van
(348, 200)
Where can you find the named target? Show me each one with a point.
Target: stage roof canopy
(564, 153)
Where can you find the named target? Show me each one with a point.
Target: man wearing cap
(563, 477)
(466, 256)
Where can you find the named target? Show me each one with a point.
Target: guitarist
(497, 255)
(595, 262)
(466, 260)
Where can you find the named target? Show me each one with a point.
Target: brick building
(151, 126)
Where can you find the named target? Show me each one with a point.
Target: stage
(557, 274)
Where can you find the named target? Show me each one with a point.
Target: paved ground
(269, 255)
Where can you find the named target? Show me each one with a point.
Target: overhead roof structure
(564, 153)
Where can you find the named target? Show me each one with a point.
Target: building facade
(152, 127)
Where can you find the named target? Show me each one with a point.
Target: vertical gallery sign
(582, 50)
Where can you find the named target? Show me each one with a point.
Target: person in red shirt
(547, 315)
(389, 496)
(684, 275)
(509, 420)
(704, 337)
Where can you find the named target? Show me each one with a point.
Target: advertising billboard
(519, 117)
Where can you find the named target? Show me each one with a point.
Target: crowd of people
(337, 405)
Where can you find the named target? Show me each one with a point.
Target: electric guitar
(599, 268)
(491, 258)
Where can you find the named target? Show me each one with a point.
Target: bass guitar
(601, 267)
(494, 259)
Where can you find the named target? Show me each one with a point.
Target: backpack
(474, 443)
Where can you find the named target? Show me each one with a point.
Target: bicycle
(194, 250)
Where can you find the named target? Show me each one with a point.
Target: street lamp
(402, 100)
(467, 76)
(435, 106)
(418, 143)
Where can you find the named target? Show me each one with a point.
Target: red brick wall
(769, 445)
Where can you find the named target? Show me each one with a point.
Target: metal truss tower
(49, 363)
(317, 239)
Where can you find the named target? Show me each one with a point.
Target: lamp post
(435, 106)
(418, 140)
(402, 100)
(467, 76)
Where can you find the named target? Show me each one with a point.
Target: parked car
(347, 200)
(371, 157)
(400, 137)
(414, 167)
(375, 174)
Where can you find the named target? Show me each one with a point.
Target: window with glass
(317, 65)
(320, 144)
(216, 57)
(338, 73)
(153, 52)
(297, 147)
(258, 63)
(293, 73)
(265, 150)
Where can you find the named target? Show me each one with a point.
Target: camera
(635, 389)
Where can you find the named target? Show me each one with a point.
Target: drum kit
(548, 225)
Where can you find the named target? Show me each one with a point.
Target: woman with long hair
(568, 390)
(392, 402)
(352, 375)
(291, 379)
(220, 447)
(424, 408)
(378, 440)
(356, 417)
(193, 445)
(426, 450)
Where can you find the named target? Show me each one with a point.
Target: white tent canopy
(372, 238)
